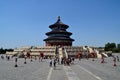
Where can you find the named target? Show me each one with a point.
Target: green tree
(1, 51)
(107, 46)
(110, 47)
(118, 47)
(113, 45)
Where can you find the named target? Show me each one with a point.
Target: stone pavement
(80, 70)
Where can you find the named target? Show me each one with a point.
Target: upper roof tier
(57, 32)
(59, 23)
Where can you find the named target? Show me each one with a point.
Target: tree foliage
(3, 51)
(118, 46)
(112, 47)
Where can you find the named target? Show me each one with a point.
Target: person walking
(54, 63)
(2, 57)
(117, 58)
(50, 62)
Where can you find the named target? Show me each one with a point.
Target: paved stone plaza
(80, 70)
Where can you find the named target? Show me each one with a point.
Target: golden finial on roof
(58, 17)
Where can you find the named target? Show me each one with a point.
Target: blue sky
(92, 22)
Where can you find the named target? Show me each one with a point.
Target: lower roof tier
(66, 41)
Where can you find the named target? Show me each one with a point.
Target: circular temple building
(59, 36)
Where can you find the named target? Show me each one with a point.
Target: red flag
(41, 54)
(79, 55)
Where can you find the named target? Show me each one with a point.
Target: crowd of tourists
(64, 61)
(61, 61)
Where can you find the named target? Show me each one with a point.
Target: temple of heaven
(58, 36)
